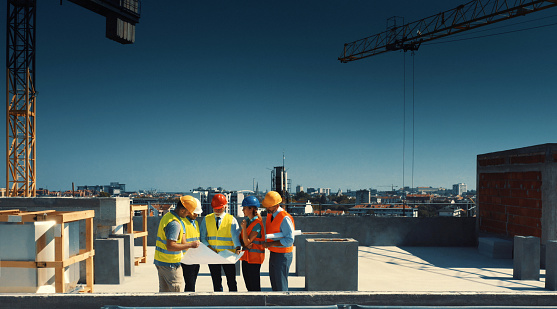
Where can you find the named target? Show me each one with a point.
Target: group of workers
(179, 231)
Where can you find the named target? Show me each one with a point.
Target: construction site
(98, 252)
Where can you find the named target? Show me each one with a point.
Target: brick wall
(511, 202)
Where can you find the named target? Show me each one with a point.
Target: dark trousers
(252, 276)
(190, 276)
(216, 275)
(279, 265)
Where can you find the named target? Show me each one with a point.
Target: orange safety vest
(256, 254)
(274, 227)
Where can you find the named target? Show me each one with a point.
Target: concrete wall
(376, 231)
(516, 192)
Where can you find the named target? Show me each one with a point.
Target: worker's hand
(244, 224)
(266, 244)
(238, 250)
(194, 244)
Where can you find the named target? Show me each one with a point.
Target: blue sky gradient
(213, 92)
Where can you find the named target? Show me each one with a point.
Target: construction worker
(280, 258)
(253, 237)
(220, 231)
(171, 242)
(193, 207)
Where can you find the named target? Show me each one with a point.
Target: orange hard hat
(271, 199)
(218, 201)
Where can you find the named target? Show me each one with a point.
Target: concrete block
(551, 265)
(129, 253)
(300, 243)
(109, 261)
(526, 263)
(496, 248)
(331, 264)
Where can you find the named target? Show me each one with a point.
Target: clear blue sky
(213, 92)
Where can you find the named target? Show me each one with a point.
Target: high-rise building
(299, 189)
(363, 197)
(459, 188)
(279, 180)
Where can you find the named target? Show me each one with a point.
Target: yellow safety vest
(192, 233)
(220, 239)
(161, 252)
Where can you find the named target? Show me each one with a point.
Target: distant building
(311, 191)
(299, 189)
(363, 197)
(459, 188)
(451, 211)
(205, 196)
(326, 191)
(115, 188)
(300, 209)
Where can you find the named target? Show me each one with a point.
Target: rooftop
(380, 269)
(387, 276)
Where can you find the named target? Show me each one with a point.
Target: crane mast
(472, 15)
(121, 17)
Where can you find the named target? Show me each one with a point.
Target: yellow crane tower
(121, 17)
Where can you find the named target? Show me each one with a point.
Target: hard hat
(192, 204)
(271, 199)
(250, 201)
(218, 201)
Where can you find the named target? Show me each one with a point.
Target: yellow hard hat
(271, 199)
(191, 203)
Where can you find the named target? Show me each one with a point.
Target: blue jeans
(279, 265)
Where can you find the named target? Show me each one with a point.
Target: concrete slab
(331, 264)
(496, 248)
(387, 269)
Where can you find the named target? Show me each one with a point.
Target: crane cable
(404, 124)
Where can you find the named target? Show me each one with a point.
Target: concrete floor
(381, 269)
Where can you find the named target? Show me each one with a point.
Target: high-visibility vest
(273, 226)
(161, 252)
(256, 254)
(220, 239)
(192, 233)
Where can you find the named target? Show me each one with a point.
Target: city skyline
(216, 92)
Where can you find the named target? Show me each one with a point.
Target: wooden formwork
(136, 234)
(61, 218)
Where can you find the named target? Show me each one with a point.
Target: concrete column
(331, 264)
(129, 253)
(300, 244)
(551, 265)
(526, 263)
(109, 260)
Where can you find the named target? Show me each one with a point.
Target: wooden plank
(139, 207)
(140, 234)
(71, 216)
(90, 273)
(9, 211)
(59, 256)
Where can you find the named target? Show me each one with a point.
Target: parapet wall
(377, 231)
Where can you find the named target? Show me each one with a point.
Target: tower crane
(121, 17)
(472, 15)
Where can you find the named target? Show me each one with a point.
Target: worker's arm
(287, 229)
(235, 232)
(172, 245)
(173, 231)
(248, 239)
